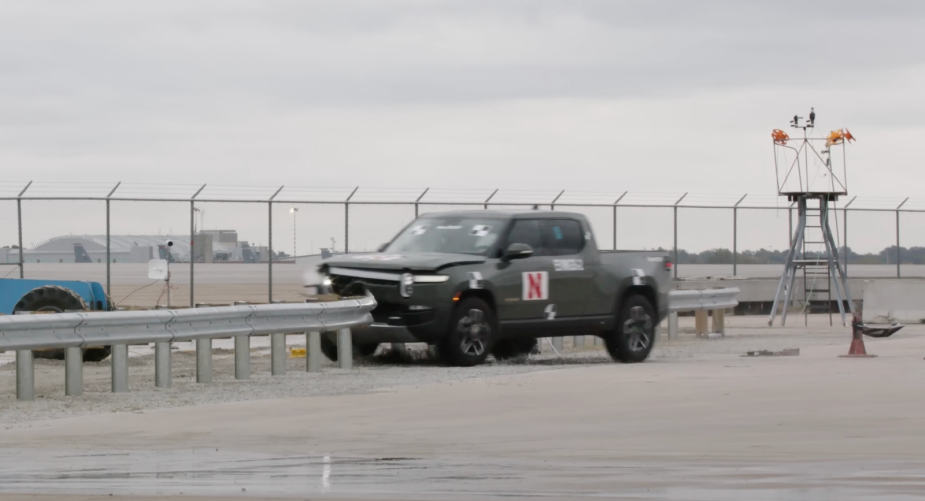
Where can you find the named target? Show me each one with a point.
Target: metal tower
(815, 187)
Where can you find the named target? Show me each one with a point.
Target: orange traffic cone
(857, 349)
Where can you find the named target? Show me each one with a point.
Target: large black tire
(513, 348)
(329, 348)
(634, 334)
(471, 334)
(53, 298)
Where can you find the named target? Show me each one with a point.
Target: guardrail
(74, 331)
(701, 302)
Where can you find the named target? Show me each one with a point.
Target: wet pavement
(246, 474)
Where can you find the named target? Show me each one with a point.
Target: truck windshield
(461, 235)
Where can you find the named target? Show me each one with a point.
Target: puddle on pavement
(210, 472)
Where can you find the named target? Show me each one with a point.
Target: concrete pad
(719, 427)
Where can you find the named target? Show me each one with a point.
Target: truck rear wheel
(634, 336)
(471, 336)
(56, 299)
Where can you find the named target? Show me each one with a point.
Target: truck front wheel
(634, 336)
(471, 334)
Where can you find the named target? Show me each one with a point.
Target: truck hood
(418, 261)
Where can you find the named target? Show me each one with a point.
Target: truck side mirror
(517, 251)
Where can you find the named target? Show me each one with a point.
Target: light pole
(294, 211)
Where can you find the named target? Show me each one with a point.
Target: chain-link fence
(260, 244)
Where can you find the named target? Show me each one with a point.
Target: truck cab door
(573, 270)
(523, 285)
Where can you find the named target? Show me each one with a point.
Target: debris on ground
(788, 352)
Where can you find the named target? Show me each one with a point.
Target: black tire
(513, 348)
(329, 348)
(634, 333)
(53, 298)
(471, 334)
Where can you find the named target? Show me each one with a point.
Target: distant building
(209, 246)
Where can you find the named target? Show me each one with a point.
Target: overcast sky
(584, 95)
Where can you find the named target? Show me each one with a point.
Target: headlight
(406, 286)
(431, 279)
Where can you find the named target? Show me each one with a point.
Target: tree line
(908, 255)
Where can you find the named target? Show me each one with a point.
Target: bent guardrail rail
(701, 301)
(118, 329)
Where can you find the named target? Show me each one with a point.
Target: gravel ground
(383, 370)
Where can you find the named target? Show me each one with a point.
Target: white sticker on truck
(569, 264)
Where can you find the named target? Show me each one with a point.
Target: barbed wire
(175, 192)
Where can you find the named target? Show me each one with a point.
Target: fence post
(614, 227)
(845, 245)
(270, 245)
(490, 197)
(347, 221)
(192, 257)
(108, 244)
(898, 252)
(845, 218)
(735, 236)
(615, 219)
(19, 223)
(676, 235)
(735, 241)
(418, 200)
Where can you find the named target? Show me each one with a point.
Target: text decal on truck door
(535, 285)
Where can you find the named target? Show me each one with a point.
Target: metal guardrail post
(277, 354)
(719, 321)
(313, 351)
(162, 364)
(25, 375)
(73, 372)
(344, 349)
(203, 360)
(578, 341)
(242, 357)
(119, 368)
(673, 325)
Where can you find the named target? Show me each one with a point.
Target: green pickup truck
(475, 283)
